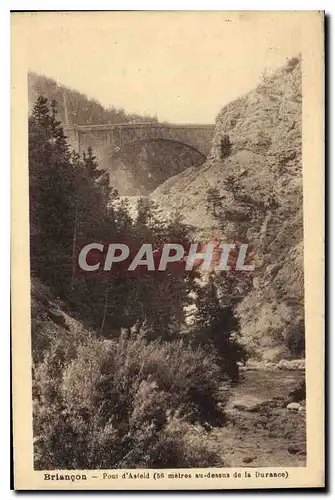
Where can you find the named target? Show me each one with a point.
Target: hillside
(259, 427)
(142, 166)
(81, 110)
(147, 370)
(258, 197)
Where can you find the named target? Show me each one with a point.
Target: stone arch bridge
(117, 136)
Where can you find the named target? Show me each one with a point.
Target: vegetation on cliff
(255, 195)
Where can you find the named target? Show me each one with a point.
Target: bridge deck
(111, 126)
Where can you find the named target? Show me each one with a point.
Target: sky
(181, 66)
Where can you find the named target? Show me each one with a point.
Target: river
(273, 435)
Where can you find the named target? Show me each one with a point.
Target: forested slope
(80, 109)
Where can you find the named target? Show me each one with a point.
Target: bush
(292, 63)
(124, 404)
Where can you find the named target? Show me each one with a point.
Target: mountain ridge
(81, 110)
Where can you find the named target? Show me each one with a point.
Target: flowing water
(271, 436)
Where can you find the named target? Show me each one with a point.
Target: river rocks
(283, 364)
(248, 460)
(293, 406)
(291, 364)
(296, 450)
(261, 426)
(247, 403)
(293, 450)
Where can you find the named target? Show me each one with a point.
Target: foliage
(80, 109)
(64, 190)
(217, 327)
(213, 201)
(123, 404)
(72, 202)
(116, 401)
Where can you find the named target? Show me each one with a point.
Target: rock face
(259, 199)
(58, 318)
(142, 166)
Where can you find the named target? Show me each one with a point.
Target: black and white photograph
(167, 256)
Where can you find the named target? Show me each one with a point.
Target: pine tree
(213, 200)
(217, 327)
(52, 194)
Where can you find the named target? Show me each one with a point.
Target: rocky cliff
(253, 190)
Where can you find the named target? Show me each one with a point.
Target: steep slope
(258, 197)
(80, 109)
(140, 167)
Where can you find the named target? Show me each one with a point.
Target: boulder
(294, 450)
(292, 364)
(293, 406)
(248, 460)
(43, 299)
(247, 403)
(58, 318)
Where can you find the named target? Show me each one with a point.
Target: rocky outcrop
(58, 318)
(142, 166)
(259, 193)
(50, 319)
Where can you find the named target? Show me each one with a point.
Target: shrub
(292, 63)
(124, 404)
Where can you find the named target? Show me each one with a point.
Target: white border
(4, 184)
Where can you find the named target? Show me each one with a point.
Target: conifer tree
(213, 201)
(217, 327)
(52, 195)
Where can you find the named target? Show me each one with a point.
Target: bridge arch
(99, 137)
(118, 150)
